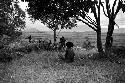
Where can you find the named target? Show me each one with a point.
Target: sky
(104, 21)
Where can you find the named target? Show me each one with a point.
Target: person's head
(69, 44)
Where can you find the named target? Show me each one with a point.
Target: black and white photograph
(62, 41)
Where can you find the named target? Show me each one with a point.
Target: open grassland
(46, 67)
(79, 37)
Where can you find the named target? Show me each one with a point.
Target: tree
(80, 10)
(65, 9)
(48, 13)
(11, 18)
(111, 13)
(53, 23)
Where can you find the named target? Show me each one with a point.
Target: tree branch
(88, 24)
(104, 10)
(108, 7)
(113, 7)
(94, 12)
(96, 4)
(117, 25)
(118, 8)
(91, 20)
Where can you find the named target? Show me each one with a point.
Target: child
(69, 55)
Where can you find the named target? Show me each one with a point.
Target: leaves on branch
(11, 17)
(62, 10)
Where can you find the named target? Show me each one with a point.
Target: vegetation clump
(87, 44)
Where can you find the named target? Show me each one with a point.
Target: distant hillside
(79, 37)
(104, 30)
(31, 30)
(120, 30)
(37, 35)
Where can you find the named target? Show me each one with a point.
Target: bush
(25, 49)
(87, 44)
(119, 51)
(7, 54)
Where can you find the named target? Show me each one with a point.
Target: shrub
(87, 44)
(7, 54)
(117, 52)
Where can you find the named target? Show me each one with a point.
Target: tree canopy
(49, 13)
(62, 10)
(78, 9)
(11, 18)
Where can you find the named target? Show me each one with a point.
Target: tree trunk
(54, 36)
(99, 44)
(109, 38)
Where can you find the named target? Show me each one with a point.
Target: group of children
(69, 53)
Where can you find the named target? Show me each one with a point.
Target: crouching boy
(69, 55)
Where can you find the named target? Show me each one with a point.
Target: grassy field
(79, 37)
(45, 66)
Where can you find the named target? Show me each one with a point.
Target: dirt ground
(46, 67)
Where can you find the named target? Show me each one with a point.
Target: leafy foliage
(87, 44)
(62, 10)
(11, 17)
(50, 13)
